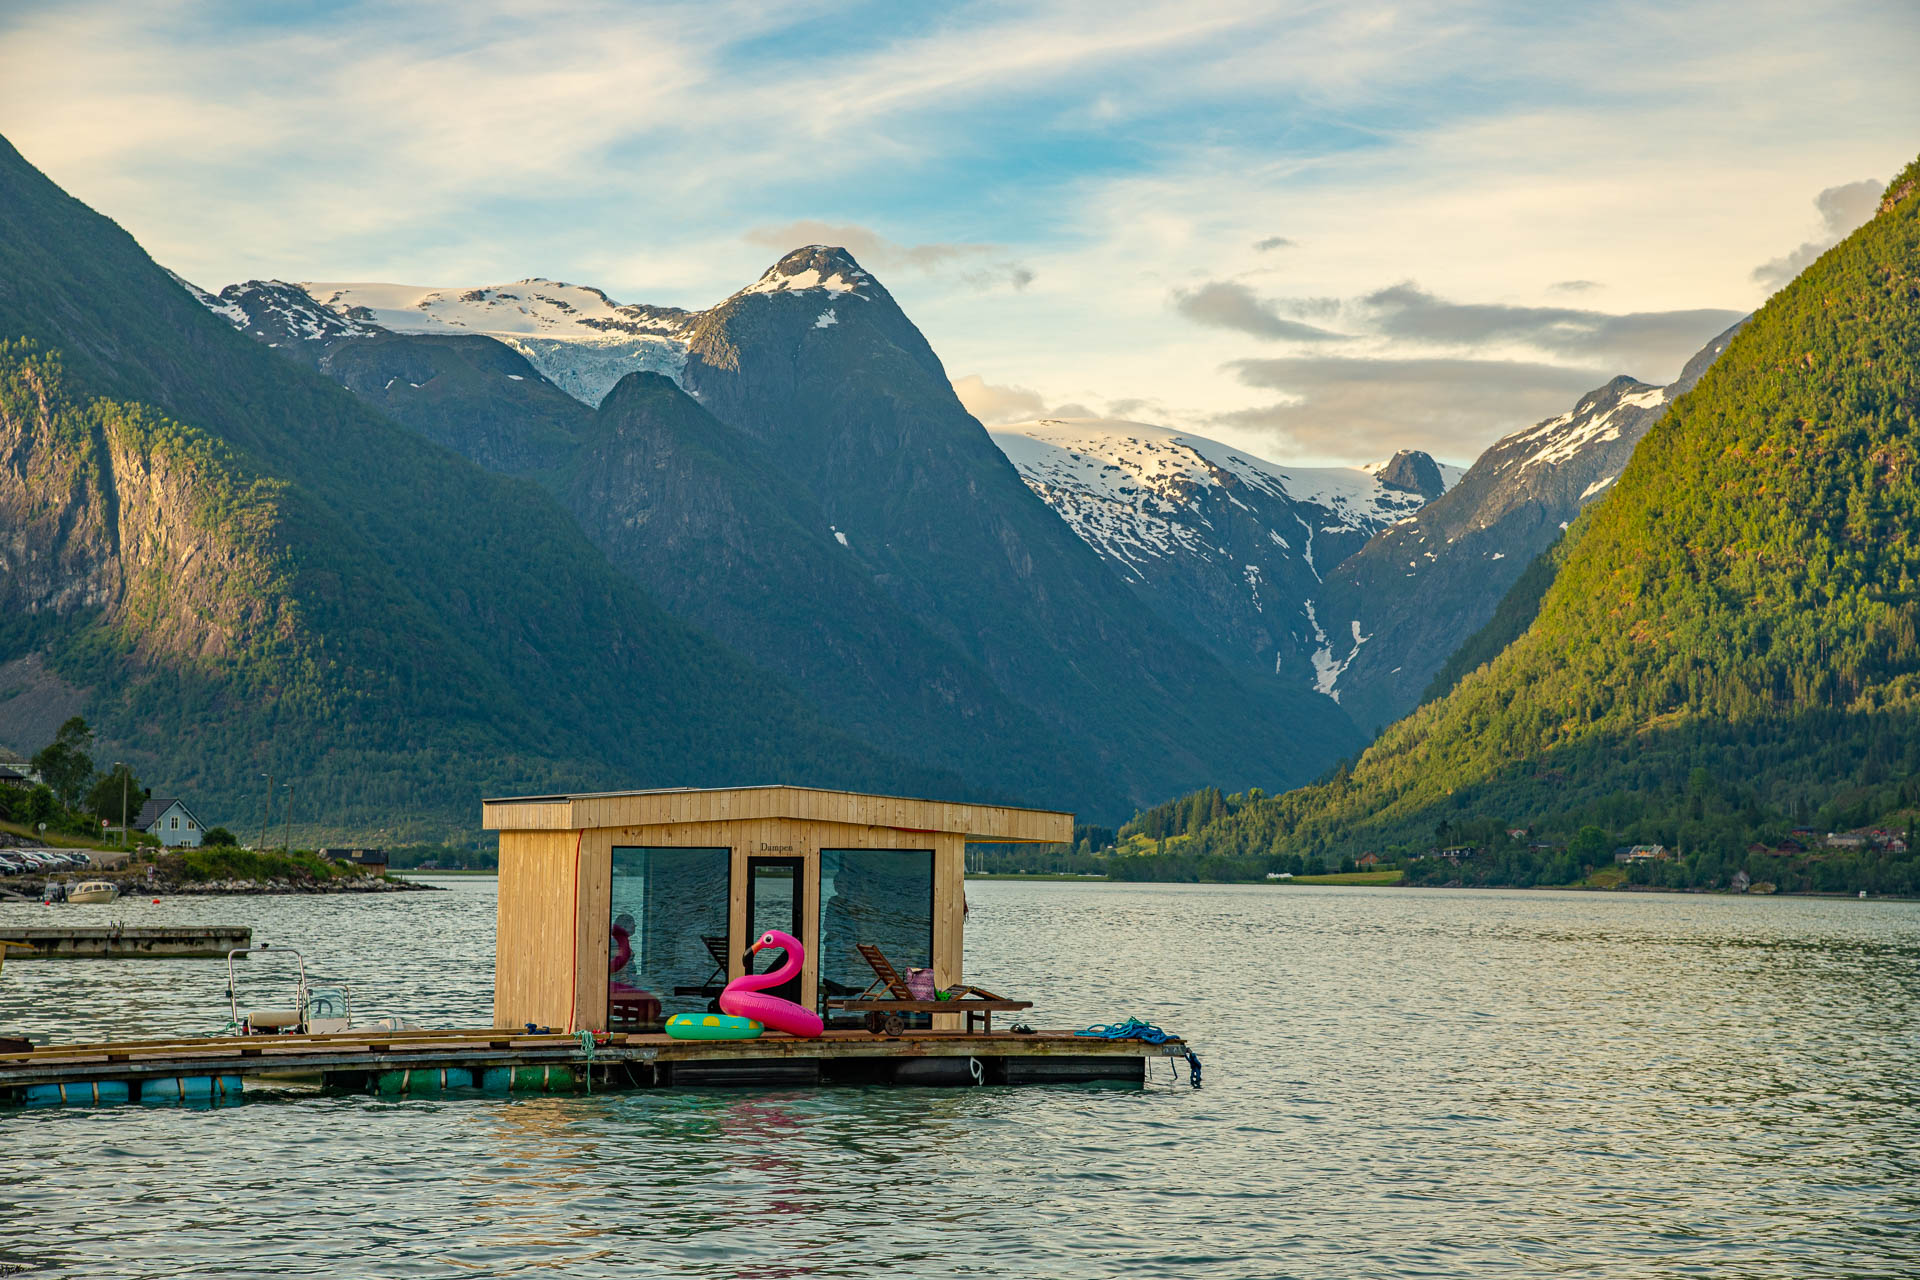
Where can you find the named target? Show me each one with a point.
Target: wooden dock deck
(119, 942)
(420, 1062)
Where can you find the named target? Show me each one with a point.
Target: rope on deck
(1131, 1029)
(1146, 1033)
(586, 1048)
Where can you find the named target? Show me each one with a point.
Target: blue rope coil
(1146, 1033)
(1131, 1029)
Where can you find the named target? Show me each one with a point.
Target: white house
(170, 820)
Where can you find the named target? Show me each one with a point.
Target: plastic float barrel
(529, 1080)
(169, 1089)
(83, 1093)
(423, 1080)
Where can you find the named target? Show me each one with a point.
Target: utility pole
(266, 814)
(286, 845)
(121, 766)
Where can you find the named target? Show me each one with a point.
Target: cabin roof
(666, 806)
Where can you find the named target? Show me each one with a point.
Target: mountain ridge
(1730, 639)
(452, 631)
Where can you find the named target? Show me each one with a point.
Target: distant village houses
(1455, 854)
(1642, 853)
(170, 821)
(17, 769)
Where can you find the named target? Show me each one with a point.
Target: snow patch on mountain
(1560, 439)
(227, 311)
(575, 335)
(1128, 488)
(837, 282)
(534, 307)
(1327, 669)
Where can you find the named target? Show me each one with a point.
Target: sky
(1318, 231)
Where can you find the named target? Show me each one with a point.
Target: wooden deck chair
(885, 975)
(717, 980)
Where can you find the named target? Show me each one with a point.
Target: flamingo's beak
(754, 950)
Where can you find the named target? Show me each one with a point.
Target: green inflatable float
(712, 1026)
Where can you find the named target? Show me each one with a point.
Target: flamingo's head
(775, 939)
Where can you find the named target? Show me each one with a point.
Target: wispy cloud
(996, 405)
(1339, 404)
(1842, 209)
(1047, 176)
(1224, 304)
(1655, 341)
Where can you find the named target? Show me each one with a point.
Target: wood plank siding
(556, 853)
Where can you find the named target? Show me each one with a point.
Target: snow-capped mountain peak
(815, 268)
(534, 307)
(1234, 542)
(1600, 416)
(575, 335)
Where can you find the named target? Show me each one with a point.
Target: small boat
(93, 891)
(316, 1010)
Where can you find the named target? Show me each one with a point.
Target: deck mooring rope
(1146, 1033)
(586, 1047)
(1131, 1029)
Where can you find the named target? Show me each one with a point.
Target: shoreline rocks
(132, 886)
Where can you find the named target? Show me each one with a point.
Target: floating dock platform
(118, 942)
(434, 1062)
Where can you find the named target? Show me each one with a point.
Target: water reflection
(1398, 1083)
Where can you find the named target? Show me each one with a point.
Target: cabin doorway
(776, 899)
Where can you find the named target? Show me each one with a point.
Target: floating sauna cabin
(620, 909)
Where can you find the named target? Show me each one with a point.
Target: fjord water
(1398, 1083)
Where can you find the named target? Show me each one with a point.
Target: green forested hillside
(1729, 643)
(236, 567)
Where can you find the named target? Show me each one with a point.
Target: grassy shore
(1393, 876)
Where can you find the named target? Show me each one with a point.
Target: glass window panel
(666, 949)
(878, 896)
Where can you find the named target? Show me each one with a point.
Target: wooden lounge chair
(886, 1013)
(717, 980)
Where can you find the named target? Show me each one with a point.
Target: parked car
(11, 865)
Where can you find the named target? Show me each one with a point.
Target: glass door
(775, 900)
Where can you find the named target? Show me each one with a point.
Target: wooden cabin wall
(536, 907)
(557, 886)
(949, 920)
(594, 932)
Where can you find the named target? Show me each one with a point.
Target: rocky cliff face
(1411, 471)
(58, 533)
(1420, 588)
(111, 511)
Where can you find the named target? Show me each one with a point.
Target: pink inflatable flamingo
(745, 996)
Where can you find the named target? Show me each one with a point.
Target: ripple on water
(1399, 1084)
